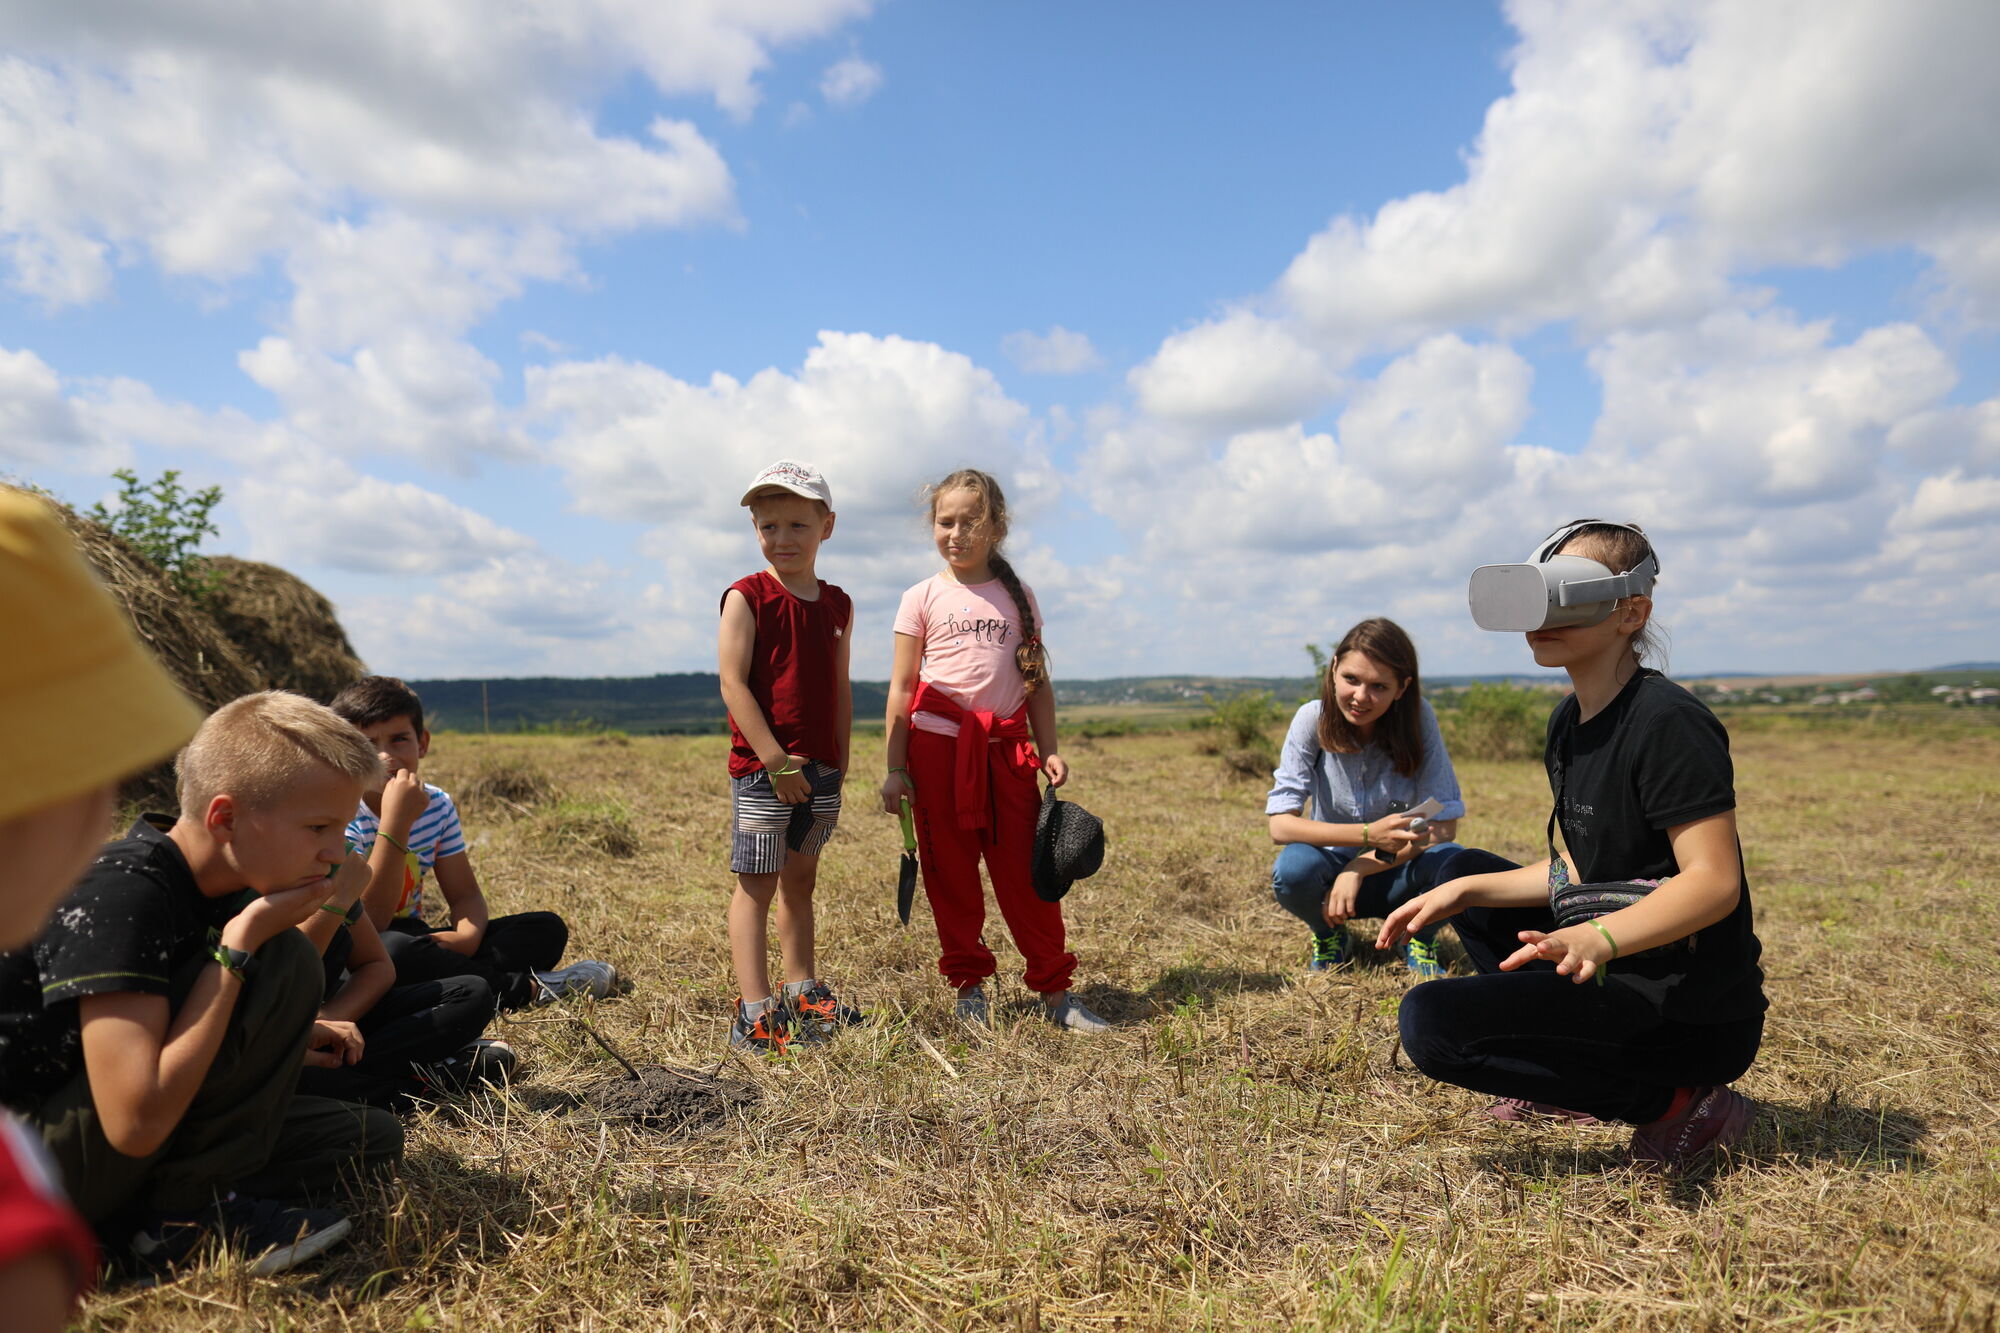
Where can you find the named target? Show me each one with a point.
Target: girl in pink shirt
(972, 719)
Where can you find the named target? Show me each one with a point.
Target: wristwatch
(233, 960)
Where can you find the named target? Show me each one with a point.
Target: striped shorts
(762, 827)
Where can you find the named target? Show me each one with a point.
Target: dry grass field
(1247, 1151)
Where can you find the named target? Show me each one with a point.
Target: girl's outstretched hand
(1056, 769)
(1438, 904)
(1578, 952)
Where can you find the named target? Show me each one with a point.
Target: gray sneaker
(1071, 1014)
(972, 1007)
(586, 976)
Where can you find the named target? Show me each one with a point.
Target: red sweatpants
(950, 855)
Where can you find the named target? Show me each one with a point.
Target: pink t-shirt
(968, 633)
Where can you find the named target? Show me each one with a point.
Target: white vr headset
(1550, 591)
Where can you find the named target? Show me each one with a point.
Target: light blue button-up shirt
(1358, 788)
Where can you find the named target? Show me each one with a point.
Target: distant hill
(685, 702)
(691, 702)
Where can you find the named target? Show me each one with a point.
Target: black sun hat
(1069, 846)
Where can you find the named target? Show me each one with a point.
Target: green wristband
(340, 912)
(786, 772)
(384, 836)
(1607, 937)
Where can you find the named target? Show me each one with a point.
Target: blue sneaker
(1421, 956)
(1327, 952)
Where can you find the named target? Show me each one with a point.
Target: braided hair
(1029, 655)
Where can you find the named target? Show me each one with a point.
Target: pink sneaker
(1714, 1118)
(1515, 1111)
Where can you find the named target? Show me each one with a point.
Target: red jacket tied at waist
(977, 729)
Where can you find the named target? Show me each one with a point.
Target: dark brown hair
(375, 699)
(1619, 547)
(1382, 641)
(1029, 655)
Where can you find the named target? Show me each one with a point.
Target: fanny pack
(1574, 904)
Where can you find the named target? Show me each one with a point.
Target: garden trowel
(906, 880)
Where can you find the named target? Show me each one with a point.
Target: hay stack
(187, 641)
(262, 629)
(286, 630)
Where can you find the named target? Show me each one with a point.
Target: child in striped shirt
(409, 831)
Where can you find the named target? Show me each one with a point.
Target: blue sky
(1271, 317)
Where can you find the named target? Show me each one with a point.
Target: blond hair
(258, 747)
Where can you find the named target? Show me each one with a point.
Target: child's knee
(1299, 869)
(760, 889)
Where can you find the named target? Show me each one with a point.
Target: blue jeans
(1303, 873)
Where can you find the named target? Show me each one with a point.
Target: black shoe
(486, 1062)
(275, 1235)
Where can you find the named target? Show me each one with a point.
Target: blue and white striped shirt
(435, 835)
(1358, 788)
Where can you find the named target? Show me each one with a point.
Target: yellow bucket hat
(82, 702)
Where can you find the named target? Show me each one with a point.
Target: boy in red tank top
(783, 660)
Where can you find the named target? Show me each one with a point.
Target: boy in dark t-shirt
(783, 653)
(155, 1030)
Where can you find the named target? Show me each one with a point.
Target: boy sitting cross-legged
(155, 1030)
(409, 830)
(784, 652)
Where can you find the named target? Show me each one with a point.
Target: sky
(1269, 317)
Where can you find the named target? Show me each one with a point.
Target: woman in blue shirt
(1367, 749)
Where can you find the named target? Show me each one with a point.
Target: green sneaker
(1421, 956)
(1327, 952)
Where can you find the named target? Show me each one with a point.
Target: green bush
(1244, 722)
(166, 523)
(1498, 722)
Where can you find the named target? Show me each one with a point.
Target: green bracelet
(786, 772)
(340, 912)
(383, 835)
(1607, 938)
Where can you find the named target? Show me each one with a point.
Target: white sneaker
(1071, 1014)
(972, 1009)
(584, 976)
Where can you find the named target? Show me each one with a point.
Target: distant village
(1822, 693)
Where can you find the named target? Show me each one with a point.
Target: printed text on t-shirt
(994, 630)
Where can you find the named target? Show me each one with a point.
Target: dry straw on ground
(1247, 1150)
(288, 631)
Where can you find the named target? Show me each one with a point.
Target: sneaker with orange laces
(1699, 1121)
(768, 1031)
(817, 1015)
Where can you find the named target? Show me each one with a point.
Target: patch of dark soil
(670, 1099)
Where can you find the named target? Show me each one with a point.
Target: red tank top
(794, 670)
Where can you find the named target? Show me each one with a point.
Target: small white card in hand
(1428, 810)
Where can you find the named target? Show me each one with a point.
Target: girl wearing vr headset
(1364, 752)
(1646, 1012)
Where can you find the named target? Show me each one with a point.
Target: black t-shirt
(1655, 758)
(133, 921)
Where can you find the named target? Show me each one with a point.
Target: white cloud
(326, 514)
(850, 82)
(41, 426)
(1235, 373)
(879, 415)
(1060, 351)
(1950, 501)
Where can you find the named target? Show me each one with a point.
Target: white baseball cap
(798, 478)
